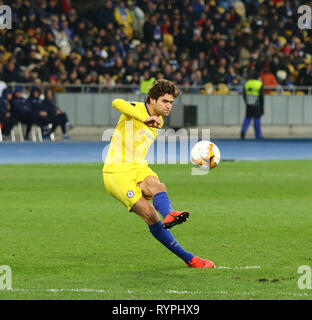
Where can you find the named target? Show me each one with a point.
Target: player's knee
(162, 187)
(152, 186)
(158, 187)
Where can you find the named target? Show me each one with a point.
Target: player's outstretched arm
(128, 109)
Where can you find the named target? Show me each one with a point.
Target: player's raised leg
(146, 211)
(152, 188)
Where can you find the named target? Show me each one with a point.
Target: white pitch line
(60, 290)
(127, 291)
(245, 267)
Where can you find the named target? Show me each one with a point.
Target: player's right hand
(153, 122)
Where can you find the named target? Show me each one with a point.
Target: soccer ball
(205, 155)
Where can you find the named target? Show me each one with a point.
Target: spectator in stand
(55, 7)
(6, 117)
(151, 30)
(32, 21)
(219, 50)
(55, 115)
(123, 17)
(11, 73)
(232, 79)
(56, 28)
(62, 39)
(305, 76)
(138, 18)
(108, 83)
(220, 76)
(2, 86)
(268, 79)
(196, 81)
(105, 14)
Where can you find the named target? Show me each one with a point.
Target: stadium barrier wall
(95, 109)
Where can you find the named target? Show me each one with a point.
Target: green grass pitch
(60, 230)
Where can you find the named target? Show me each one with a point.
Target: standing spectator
(67, 29)
(105, 14)
(123, 17)
(254, 100)
(138, 18)
(61, 37)
(152, 31)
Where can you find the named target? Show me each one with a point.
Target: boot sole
(177, 220)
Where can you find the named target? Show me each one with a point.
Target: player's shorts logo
(130, 194)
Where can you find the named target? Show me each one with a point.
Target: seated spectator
(6, 117)
(305, 76)
(22, 111)
(11, 72)
(55, 115)
(232, 79)
(39, 114)
(220, 76)
(2, 87)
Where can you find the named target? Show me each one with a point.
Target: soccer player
(127, 175)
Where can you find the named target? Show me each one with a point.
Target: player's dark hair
(160, 88)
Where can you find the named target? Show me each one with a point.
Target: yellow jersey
(131, 139)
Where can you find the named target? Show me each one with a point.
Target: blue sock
(162, 203)
(257, 126)
(167, 239)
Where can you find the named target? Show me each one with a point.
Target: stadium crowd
(191, 42)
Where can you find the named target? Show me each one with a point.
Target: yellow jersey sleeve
(129, 109)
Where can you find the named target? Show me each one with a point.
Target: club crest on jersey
(130, 194)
